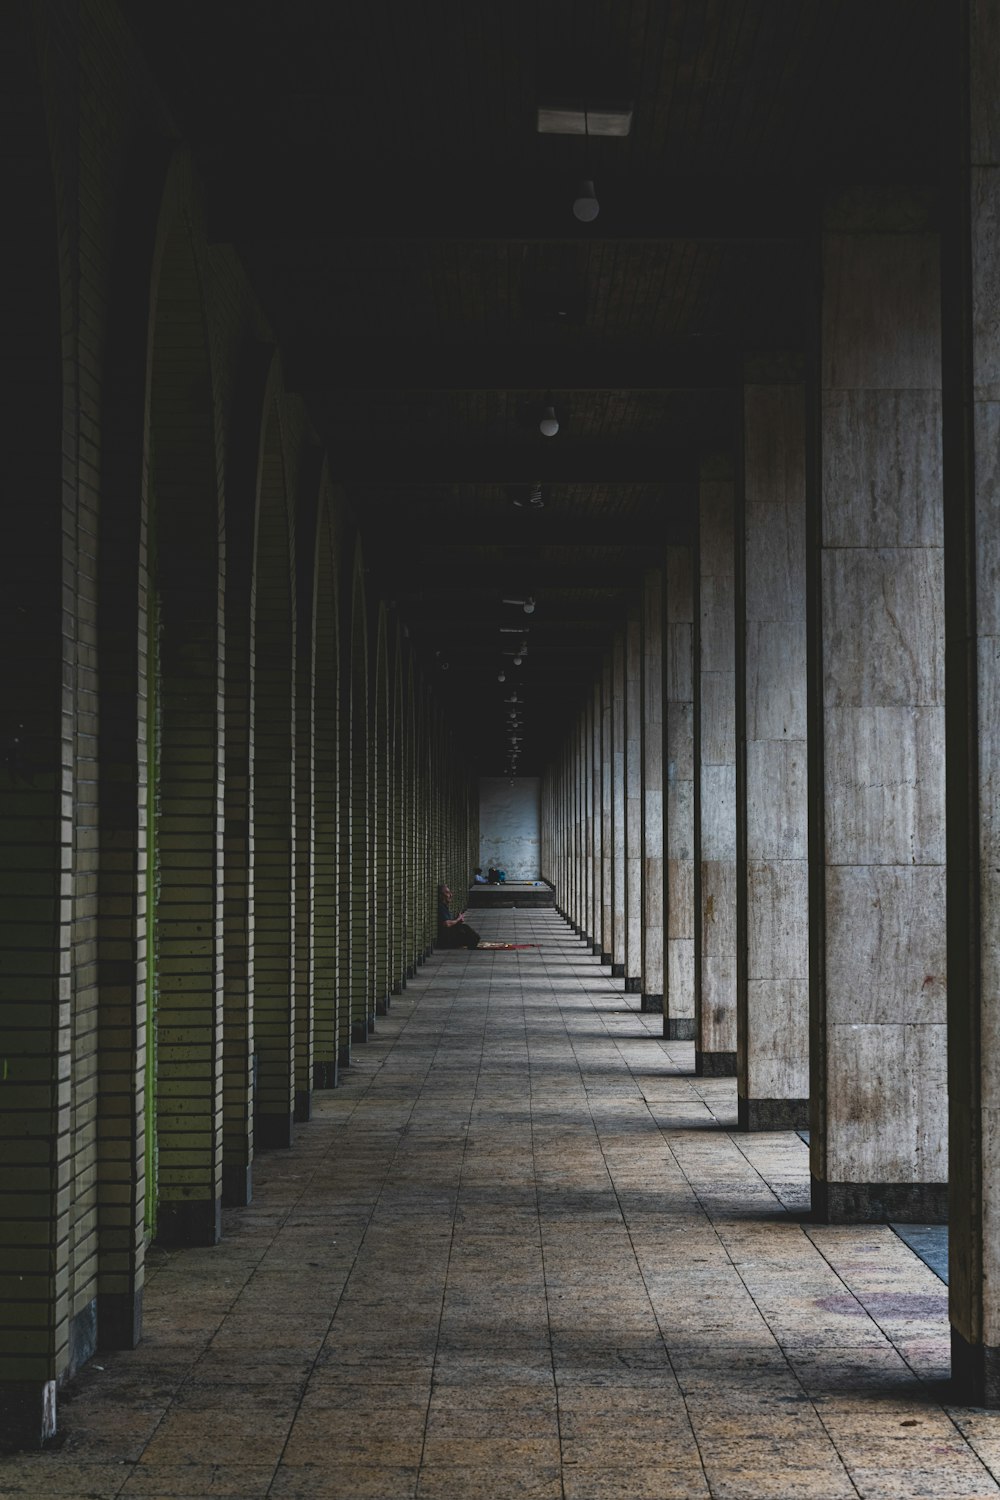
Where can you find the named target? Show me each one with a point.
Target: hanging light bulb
(501, 675)
(529, 606)
(518, 660)
(585, 204)
(549, 425)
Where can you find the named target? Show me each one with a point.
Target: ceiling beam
(698, 363)
(521, 529)
(548, 460)
(291, 199)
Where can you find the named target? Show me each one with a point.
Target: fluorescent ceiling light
(572, 118)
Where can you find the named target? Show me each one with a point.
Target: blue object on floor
(930, 1242)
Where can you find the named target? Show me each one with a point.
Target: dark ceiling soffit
(283, 204)
(551, 461)
(563, 629)
(507, 578)
(696, 364)
(528, 529)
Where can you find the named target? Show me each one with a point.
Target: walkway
(518, 1254)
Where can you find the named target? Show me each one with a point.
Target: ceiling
(409, 233)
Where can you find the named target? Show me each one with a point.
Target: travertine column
(607, 815)
(596, 794)
(972, 548)
(587, 770)
(654, 910)
(678, 1004)
(580, 793)
(715, 780)
(618, 806)
(876, 681)
(633, 802)
(773, 875)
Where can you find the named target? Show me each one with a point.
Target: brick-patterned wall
(326, 674)
(381, 813)
(37, 774)
(274, 798)
(307, 484)
(359, 747)
(397, 762)
(204, 766)
(186, 506)
(410, 816)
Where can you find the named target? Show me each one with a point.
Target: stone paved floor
(518, 1253)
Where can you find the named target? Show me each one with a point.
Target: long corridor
(522, 1252)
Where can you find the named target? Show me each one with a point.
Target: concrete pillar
(576, 785)
(583, 783)
(876, 684)
(678, 1003)
(972, 549)
(587, 726)
(607, 812)
(634, 844)
(772, 974)
(653, 905)
(618, 806)
(715, 780)
(596, 796)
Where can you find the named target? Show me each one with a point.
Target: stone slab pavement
(522, 1251)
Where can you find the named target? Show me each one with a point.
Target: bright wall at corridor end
(509, 825)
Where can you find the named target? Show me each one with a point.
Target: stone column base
(975, 1372)
(617, 971)
(189, 1221)
(237, 1184)
(82, 1336)
(606, 959)
(303, 1105)
(715, 1064)
(273, 1132)
(325, 1075)
(27, 1412)
(359, 1031)
(679, 1028)
(773, 1114)
(879, 1202)
(652, 1004)
(633, 985)
(119, 1319)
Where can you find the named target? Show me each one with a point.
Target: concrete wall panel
(509, 827)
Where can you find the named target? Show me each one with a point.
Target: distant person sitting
(453, 932)
(492, 875)
(478, 878)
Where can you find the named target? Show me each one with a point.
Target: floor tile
(522, 1251)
